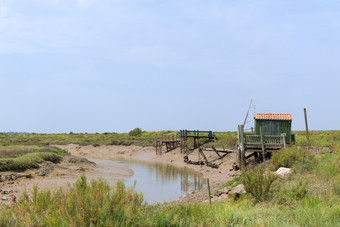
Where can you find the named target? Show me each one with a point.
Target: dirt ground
(59, 176)
(70, 169)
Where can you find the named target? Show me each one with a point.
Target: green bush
(13, 151)
(287, 157)
(82, 204)
(135, 132)
(257, 183)
(298, 191)
(27, 161)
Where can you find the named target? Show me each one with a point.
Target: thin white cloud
(86, 3)
(4, 8)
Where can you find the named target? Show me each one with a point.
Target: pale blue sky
(103, 66)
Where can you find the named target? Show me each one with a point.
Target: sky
(113, 65)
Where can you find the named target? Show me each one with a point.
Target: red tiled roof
(271, 116)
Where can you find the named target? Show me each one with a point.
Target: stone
(14, 176)
(239, 189)
(77, 160)
(45, 168)
(223, 198)
(222, 191)
(191, 192)
(12, 199)
(4, 198)
(282, 171)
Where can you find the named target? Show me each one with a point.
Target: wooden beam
(216, 151)
(306, 123)
(262, 144)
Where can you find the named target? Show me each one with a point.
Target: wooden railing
(267, 139)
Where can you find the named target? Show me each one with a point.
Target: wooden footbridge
(200, 138)
(190, 141)
(197, 137)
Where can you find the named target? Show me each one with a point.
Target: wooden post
(156, 144)
(262, 144)
(241, 150)
(161, 144)
(238, 153)
(209, 191)
(284, 141)
(306, 123)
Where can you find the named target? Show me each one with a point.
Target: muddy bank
(58, 175)
(111, 152)
(53, 176)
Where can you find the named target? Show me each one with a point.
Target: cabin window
(270, 128)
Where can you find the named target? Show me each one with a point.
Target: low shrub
(27, 161)
(258, 184)
(135, 132)
(13, 151)
(287, 157)
(82, 204)
(298, 191)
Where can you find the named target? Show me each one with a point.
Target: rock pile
(225, 193)
(13, 176)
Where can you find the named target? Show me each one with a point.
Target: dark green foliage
(17, 157)
(13, 151)
(297, 192)
(257, 183)
(287, 157)
(135, 132)
(27, 161)
(81, 205)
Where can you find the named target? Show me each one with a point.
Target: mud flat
(147, 154)
(54, 176)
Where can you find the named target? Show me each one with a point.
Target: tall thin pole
(209, 191)
(245, 120)
(306, 123)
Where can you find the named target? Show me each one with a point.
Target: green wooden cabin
(274, 124)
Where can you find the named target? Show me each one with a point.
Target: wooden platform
(170, 142)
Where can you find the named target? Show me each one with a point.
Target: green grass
(20, 157)
(13, 151)
(232, 183)
(96, 204)
(318, 138)
(225, 139)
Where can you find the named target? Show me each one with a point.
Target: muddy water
(161, 182)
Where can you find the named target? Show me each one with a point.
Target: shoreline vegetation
(143, 138)
(309, 196)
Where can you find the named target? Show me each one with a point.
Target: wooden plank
(203, 155)
(251, 155)
(216, 151)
